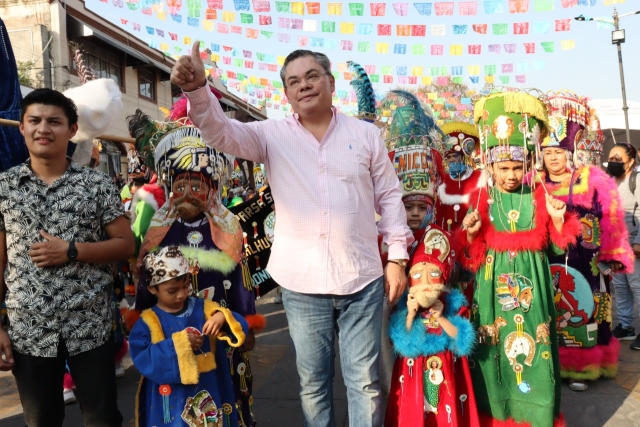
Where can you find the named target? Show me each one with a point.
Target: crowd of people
(485, 282)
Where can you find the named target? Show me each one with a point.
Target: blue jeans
(626, 288)
(314, 320)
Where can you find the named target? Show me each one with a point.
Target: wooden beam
(106, 137)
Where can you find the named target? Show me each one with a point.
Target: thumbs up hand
(188, 73)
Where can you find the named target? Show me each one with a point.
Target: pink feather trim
(614, 237)
(580, 359)
(488, 421)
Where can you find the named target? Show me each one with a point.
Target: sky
(588, 69)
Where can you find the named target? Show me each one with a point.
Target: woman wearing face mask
(582, 294)
(622, 161)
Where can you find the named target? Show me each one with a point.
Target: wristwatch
(72, 252)
(400, 262)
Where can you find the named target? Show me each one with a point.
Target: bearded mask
(190, 193)
(426, 283)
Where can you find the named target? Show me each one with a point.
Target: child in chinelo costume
(582, 295)
(515, 366)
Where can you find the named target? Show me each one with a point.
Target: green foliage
(24, 73)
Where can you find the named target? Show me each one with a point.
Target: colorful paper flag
(416, 71)
(475, 49)
(417, 49)
(459, 29)
(543, 5)
(377, 9)
(382, 47)
(438, 30)
(384, 29)
(494, 48)
(520, 28)
(479, 28)
(492, 6)
(444, 8)
(334, 8)
(455, 50)
(310, 25)
(401, 9)
(347, 27)
(365, 29)
(297, 7)
(264, 19)
(563, 24)
(261, 6)
(467, 8)
(500, 29)
(473, 70)
(568, 44)
(518, 6)
(437, 49)
(418, 30)
(364, 47)
(328, 27)
(548, 47)
(346, 45)
(507, 68)
(423, 8)
(403, 30)
(356, 9)
(510, 48)
(313, 8)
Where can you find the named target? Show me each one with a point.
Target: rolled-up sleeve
(388, 201)
(244, 140)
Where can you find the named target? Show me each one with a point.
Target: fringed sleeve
(570, 228)
(472, 256)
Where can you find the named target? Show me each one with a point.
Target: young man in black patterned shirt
(61, 226)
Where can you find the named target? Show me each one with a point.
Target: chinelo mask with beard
(190, 194)
(426, 283)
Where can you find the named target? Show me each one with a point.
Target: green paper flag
(458, 80)
(548, 47)
(387, 70)
(504, 79)
(260, 56)
(490, 69)
(328, 27)
(356, 9)
(240, 76)
(444, 71)
(417, 49)
(277, 84)
(246, 18)
(375, 78)
(283, 6)
(364, 47)
(336, 74)
(500, 29)
(238, 62)
(543, 5)
(267, 34)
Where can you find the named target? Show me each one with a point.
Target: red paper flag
(123, 21)
(563, 24)
(387, 79)
(211, 14)
(235, 29)
(313, 8)
(412, 80)
(378, 9)
(226, 60)
(261, 6)
(384, 29)
(248, 64)
(418, 30)
(173, 36)
(520, 28)
(530, 48)
(264, 19)
(444, 8)
(475, 49)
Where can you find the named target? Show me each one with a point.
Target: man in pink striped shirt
(328, 173)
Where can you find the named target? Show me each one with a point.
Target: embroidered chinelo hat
(510, 125)
(568, 120)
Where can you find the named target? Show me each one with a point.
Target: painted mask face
(190, 195)
(427, 283)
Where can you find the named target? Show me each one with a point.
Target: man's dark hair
(320, 58)
(50, 97)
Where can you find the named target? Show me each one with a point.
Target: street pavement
(611, 403)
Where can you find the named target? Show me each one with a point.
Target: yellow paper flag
(347, 27)
(610, 2)
(455, 50)
(297, 7)
(334, 8)
(228, 16)
(215, 57)
(426, 81)
(490, 79)
(416, 71)
(208, 25)
(568, 44)
(253, 80)
(276, 98)
(162, 15)
(187, 40)
(382, 47)
(164, 47)
(281, 60)
(432, 96)
(473, 70)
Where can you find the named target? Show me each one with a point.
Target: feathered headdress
(364, 92)
(407, 121)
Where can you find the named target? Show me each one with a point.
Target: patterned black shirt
(68, 301)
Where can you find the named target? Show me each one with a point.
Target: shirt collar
(24, 170)
(334, 111)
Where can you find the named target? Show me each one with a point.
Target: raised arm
(245, 140)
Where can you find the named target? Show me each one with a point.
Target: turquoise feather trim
(210, 259)
(417, 342)
(364, 91)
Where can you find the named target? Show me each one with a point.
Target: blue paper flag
(492, 6)
(331, 43)
(241, 4)
(456, 71)
(459, 29)
(423, 8)
(317, 42)
(541, 27)
(193, 22)
(400, 49)
(151, 30)
(365, 29)
(538, 65)
(215, 47)
(177, 18)
(474, 79)
(586, 2)
(401, 71)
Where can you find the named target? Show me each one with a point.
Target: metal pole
(625, 108)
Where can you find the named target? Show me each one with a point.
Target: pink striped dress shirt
(325, 194)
